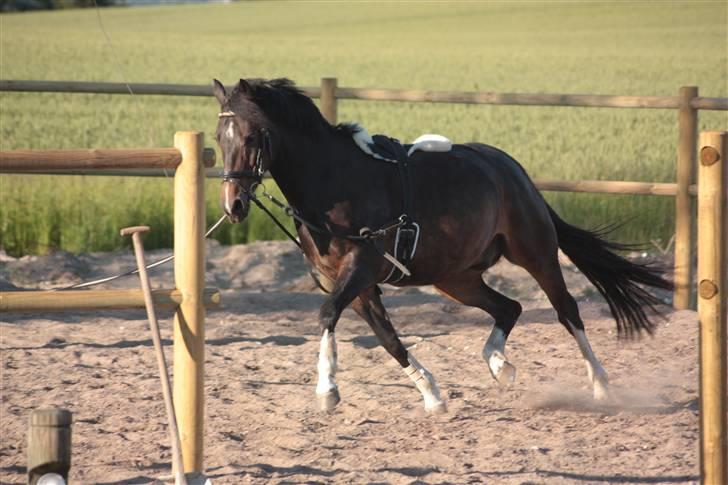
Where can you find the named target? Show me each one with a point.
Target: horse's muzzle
(234, 201)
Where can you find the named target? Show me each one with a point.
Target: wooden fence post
(328, 99)
(712, 240)
(49, 443)
(189, 277)
(685, 174)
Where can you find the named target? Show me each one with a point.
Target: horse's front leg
(353, 277)
(369, 307)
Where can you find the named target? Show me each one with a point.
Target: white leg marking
(597, 374)
(426, 385)
(493, 353)
(326, 390)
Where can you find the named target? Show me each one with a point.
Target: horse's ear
(271, 144)
(219, 91)
(244, 86)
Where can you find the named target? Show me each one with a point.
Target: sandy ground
(261, 418)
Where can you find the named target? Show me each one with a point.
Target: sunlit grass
(630, 49)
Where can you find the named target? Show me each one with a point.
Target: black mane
(279, 101)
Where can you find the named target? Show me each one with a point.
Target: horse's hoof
(601, 391)
(507, 374)
(437, 408)
(328, 401)
(502, 371)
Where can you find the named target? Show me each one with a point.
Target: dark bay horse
(474, 204)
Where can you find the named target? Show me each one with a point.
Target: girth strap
(404, 176)
(405, 242)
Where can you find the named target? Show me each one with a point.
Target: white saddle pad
(430, 143)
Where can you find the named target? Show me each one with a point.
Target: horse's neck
(306, 165)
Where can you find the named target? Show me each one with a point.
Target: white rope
(124, 78)
(111, 47)
(135, 271)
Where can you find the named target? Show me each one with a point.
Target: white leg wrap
(327, 364)
(426, 385)
(597, 374)
(494, 354)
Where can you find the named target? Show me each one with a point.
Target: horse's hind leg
(543, 265)
(469, 289)
(369, 306)
(552, 282)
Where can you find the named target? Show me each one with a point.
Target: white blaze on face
(228, 199)
(327, 364)
(230, 132)
(230, 194)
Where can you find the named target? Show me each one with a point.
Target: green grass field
(638, 48)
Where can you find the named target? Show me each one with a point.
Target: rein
(292, 238)
(365, 234)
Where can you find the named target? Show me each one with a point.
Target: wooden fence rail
(35, 161)
(94, 300)
(122, 172)
(619, 187)
(373, 94)
(612, 187)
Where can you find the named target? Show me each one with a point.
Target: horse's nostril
(237, 207)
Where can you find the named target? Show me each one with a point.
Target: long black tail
(616, 278)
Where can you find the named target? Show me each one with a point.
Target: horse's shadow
(292, 474)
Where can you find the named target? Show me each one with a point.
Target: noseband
(257, 172)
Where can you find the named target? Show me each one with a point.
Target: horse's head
(246, 149)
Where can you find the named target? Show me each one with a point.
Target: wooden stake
(328, 99)
(712, 240)
(136, 234)
(189, 276)
(49, 443)
(685, 174)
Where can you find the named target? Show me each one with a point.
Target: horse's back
(483, 168)
(482, 177)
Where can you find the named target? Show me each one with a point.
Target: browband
(226, 114)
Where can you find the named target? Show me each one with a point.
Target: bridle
(258, 171)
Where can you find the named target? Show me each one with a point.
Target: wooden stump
(49, 443)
